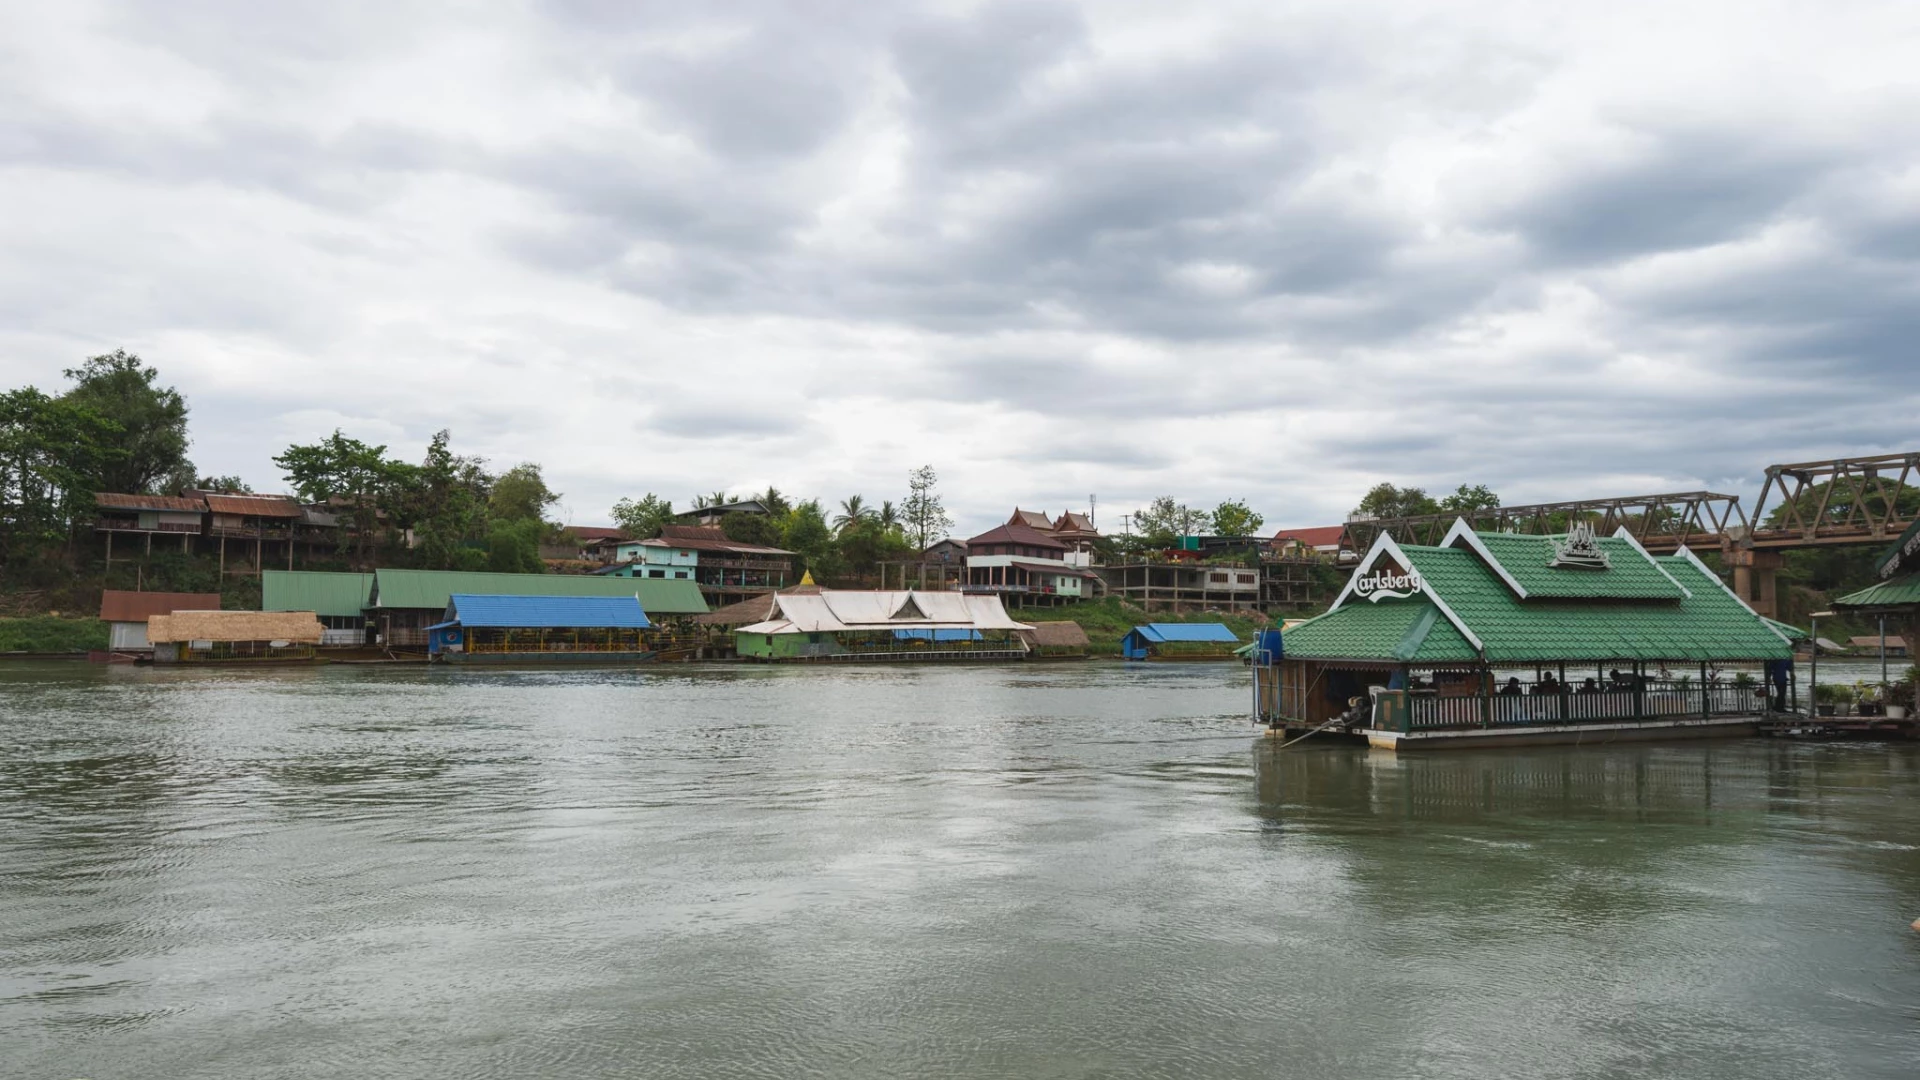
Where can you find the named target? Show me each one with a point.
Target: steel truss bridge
(1842, 501)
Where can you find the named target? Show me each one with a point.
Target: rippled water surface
(1071, 871)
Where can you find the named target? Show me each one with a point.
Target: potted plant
(1828, 697)
(1867, 700)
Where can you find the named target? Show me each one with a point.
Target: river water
(1067, 871)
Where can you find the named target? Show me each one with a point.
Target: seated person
(1547, 686)
(1512, 689)
(1590, 686)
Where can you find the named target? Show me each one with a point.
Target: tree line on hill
(117, 428)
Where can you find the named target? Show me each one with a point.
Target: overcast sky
(1278, 251)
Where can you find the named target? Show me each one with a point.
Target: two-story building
(726, 570)
(1025, 565)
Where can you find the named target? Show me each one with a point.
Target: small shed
(1062, 640)
(1179, 641)
(126, 614)
(233, 636)
(1871, 643)
(484, 629)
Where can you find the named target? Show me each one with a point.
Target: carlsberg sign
(1386, 582)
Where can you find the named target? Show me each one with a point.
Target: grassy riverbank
(1107, 620)
(51, 634)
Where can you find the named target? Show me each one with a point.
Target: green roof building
(405, 602)
(1499, 638)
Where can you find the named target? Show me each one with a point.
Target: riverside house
(882, 625)
(1024, 565)
(404, 603)
(541, 630)
(726, 570)
(126, 614)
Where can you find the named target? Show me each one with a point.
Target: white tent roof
(845, 609)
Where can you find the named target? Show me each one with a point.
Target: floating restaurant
(1500, 639)
(569, 630)
(851, 625)
(234, 637)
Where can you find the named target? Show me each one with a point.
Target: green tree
(923, 513)
(865, 543)
(643, 520)
(1162, 522)
(853, 510)
(1468, 501)
(805, 532)
(752, 529)
(53, 453)
(119, 387)
(1235, 518)
(888, 515)
(513, 546)
(357, 478)
(717, 498)
(521, 494)
(222, 483)
(776, 503)
(1386, 501)
(447, 504)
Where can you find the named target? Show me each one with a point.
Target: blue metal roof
(1164, 632)
(607, 612)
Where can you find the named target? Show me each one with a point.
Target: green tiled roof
(1710, 624)
(431, 588)
(1788, 629)
(1629, 575)
(1409, 631)
(322, 592)
(1897, 592)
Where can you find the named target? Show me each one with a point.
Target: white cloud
(1221, 250)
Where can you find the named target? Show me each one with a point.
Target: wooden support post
(109, 551)
(1706, 699)
(223, 558)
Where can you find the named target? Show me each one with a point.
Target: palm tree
(888, 517)
(776, 503)
(718, 498)
(853, 510)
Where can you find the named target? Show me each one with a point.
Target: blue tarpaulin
(938, 635)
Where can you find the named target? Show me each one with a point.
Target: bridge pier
(1755, 578)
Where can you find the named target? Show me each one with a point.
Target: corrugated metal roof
(1899, 592)
(708, 543)
(119, 606)
(108, 500)
(1052, 568)
(1166, 632)
(274, 506)
(597, 532)
(431, 589)
(319, 591)
(596, 612)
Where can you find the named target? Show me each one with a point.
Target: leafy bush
(52, 634)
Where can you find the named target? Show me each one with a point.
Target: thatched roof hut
(1056, 635)
(298, 627)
